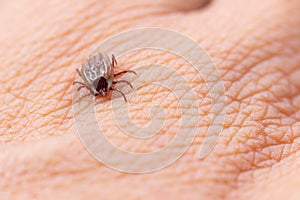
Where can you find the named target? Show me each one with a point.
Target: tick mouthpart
(102, 92)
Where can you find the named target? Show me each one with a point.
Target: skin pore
(255, 46)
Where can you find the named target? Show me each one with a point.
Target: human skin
(255, 46)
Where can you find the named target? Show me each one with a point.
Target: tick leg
(113, 60)
(83, 86)
(91, 93)
(78, 83)
(114, 89)
(123, 81)
(126, 71)
(77, 70)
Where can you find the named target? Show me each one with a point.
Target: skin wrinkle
(238, 166)
(247, 74)
(234, 134)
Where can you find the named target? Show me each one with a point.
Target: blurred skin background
(255, 46)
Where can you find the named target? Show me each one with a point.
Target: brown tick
(97, 73)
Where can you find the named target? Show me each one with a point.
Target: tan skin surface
(256, 47)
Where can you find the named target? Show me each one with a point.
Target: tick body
(97, 73)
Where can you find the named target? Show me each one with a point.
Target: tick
(97, 73)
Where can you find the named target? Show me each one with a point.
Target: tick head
(101, 85)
